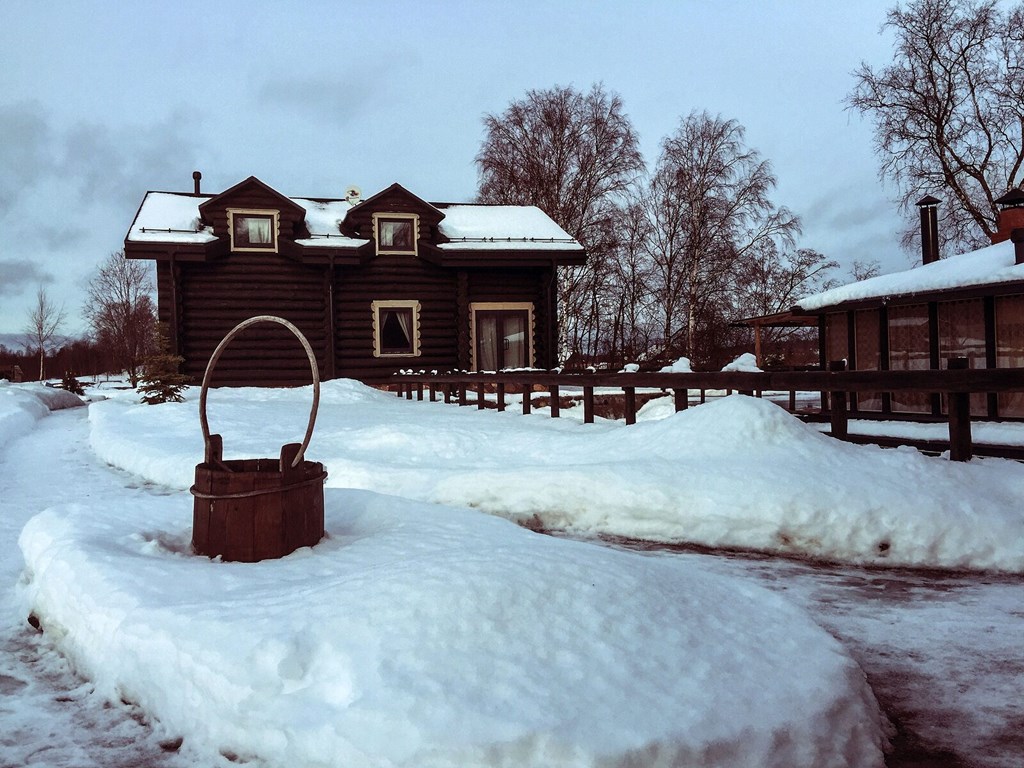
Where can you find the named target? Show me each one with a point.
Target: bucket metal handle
(216, 355)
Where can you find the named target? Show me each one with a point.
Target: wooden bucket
(257, 509)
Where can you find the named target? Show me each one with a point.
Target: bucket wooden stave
(249, 510)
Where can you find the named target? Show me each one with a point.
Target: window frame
(275, 229)
(502, 306)
(411, 218)
(378, 324)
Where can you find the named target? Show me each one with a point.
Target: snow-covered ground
(423, 633)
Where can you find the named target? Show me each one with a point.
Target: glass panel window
(396, 331)
(1010, 348)
(501, 333)
(253, 231)
(865, 327)
(962, 334)
(909, 351)
(395, 235)
(396, 328)
(837, 340)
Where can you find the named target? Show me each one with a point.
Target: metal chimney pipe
(929, 228)
(196, 177)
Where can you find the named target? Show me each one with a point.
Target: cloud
(25, 155)
(339, 97)
(327, 97)
(102, 163)
(17, 274)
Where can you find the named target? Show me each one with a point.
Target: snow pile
(745, 363)
(738, 472)
(418, 635)
(985, 266)
(22, 404)
(682, 365)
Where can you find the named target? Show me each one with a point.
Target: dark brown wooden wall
(292, 221)
(210, 298)
(519, 285)
(393, 277)
(214, 297)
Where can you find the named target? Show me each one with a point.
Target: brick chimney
(1017, 236)
(1011, 214)
(929, 228)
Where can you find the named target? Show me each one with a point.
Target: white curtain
(405, 321)
(259, 231)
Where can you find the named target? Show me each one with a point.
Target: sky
(102, 101)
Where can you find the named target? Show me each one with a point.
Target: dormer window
(396, 232)
(253, 230)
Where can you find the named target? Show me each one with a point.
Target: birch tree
(949, 111)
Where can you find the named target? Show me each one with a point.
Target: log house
(378, 285)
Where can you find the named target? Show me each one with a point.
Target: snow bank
(418, 635)
(21, 405)
(682, 365)
(745, 363)
(738, 472)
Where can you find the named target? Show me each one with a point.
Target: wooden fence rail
(957, 382)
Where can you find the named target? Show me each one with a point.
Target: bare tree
(573, 155)
(709, 207)
(949, 110)
(44, 320)
(119, 306)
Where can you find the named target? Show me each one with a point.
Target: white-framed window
(501, 335)
(396, 328)
(396, 232)
(253, 230)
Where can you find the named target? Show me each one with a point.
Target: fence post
(481, 402)
(960, 448)
(448, 393)
(630, 399)
(419, 390)
(433, 392)
(527, 391)
(681, 399)
(463, 399)
(501, 397)
(555, 405)
(838, 410)
(792, 401)
(588, 405)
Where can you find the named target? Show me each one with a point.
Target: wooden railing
(957, 383)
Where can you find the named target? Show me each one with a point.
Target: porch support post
(630, 401)
(960, 448)
(681, 398)
(838, 412)
(588, 405)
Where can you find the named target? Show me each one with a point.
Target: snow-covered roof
(167, 217)
(986, 266)
(502, 227)
(323, 220)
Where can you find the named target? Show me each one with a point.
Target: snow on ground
(417, 634)
(22, 404)
(739, 472)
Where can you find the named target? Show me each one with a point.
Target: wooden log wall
(393, 277)
(515, 285)
(216, 296)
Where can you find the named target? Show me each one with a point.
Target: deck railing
(957, 383)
